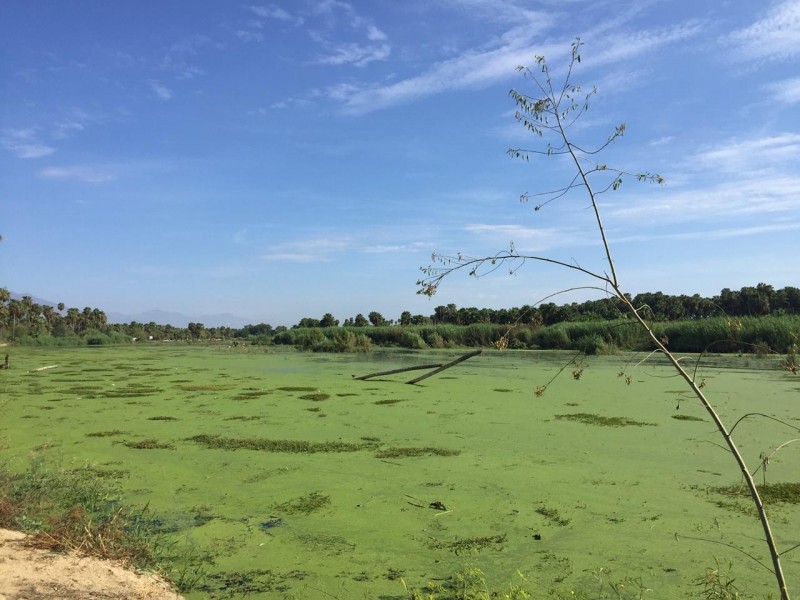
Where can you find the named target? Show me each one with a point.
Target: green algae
(488, 448)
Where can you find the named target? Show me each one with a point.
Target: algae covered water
(282, 476)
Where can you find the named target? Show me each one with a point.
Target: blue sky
(287, 159)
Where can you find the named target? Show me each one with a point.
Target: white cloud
(84, 174)
(710, 234)
(25, 143)
(736, 198)
(396, 248)
(528, 239)
(30, 150)
(295, 257)
(309, 250)
(270, 11)
(355, 54)
(752, 155)
(250, 36)
(338, 52)
(482, 67)
(160, 90)
(786, 91)
(776, 36)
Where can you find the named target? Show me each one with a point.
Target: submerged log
(403, 370)
(443, 367)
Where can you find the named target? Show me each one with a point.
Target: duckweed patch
(297, 389)
(266, 445)
(593, 419)
(162, 418)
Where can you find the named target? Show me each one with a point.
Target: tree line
(25, 319)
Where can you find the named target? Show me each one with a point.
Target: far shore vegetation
(758, 320)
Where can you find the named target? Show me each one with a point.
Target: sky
(287, 159)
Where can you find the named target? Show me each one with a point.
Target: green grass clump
(297, 389)
(75, 510)
(406, 452)
(593, 419)
(162, 418)
(266, 445)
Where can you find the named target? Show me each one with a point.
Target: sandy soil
(30, 574)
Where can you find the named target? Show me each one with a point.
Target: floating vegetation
(370, 438)
(771, 493)
(110, 433)
(265, 445)
(552, 515)
(244, 418)
(298, 389)
(307, 504)
(270, 523)
(592, 419)
(503, 390)
(318, 397)
(148, 445)
(389, 401)
(162, 418)
(245, 583)
(130, 391)
(469, 545)
(406, 452)
(211, 387)
(687, 418)
(251, 394)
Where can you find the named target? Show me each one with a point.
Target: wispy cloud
(786, 91)
(485, 66)
(751, 155)
(734, 199)
(85, 174)
(25, 143)
(775, 36)
(270, 11)
(181, 56)
(373, 47)
(396, 248)
(528, 239)
(308, 250)
(160, 90)
(710, 234)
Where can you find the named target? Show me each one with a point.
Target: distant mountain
(41, 301)
(164, 317)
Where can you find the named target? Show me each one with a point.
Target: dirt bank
(30, 574)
